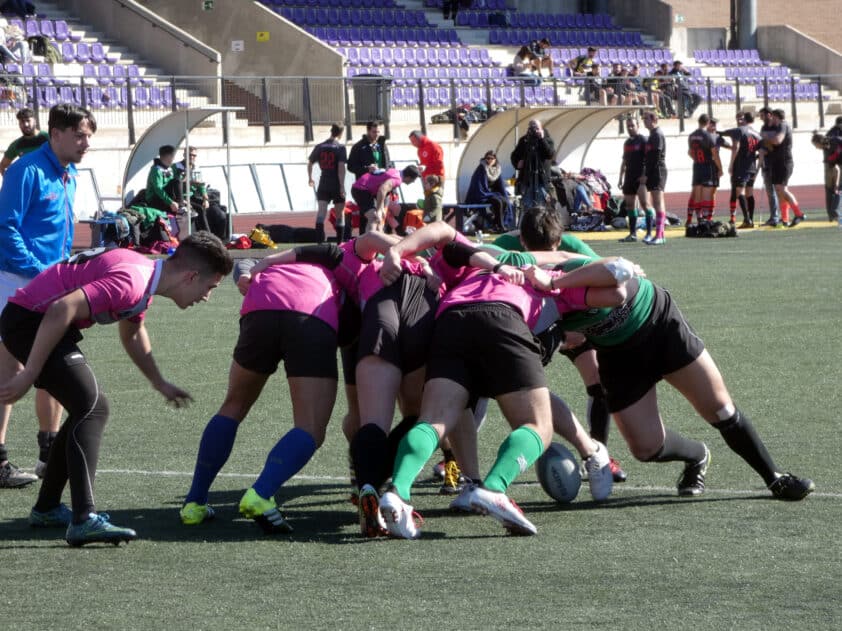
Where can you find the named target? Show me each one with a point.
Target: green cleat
(264, 512)
(58, 517)
(97, 529)
(193, 514)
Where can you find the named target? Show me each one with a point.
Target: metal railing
(135, 102)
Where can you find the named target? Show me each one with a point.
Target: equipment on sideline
(558, 473)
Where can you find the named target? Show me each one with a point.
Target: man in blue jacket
(36, 231)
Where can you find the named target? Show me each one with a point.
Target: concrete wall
(794, 48)
(650, 16)
(255, 42)
(817, 18)
(168, 47)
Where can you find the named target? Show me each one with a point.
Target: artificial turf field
(767, 305)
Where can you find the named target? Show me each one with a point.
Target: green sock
(414, 451)
(518, 452)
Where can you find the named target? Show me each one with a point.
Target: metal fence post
(792, 102)
(820, 101)
(453, 109)
(737, 94)
(173, 105)
(349, 133)
(130, 114)
(709, 96)
(421, 108)
(264, 95)
(308, 114)
(765, 91)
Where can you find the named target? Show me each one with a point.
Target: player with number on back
(41, 327)
(331, 157)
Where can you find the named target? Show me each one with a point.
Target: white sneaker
(600, 478)
(399, 517)
(462, 502)
(503, 509)
(40, 468)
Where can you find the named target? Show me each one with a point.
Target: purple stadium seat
(376, 57)
(83, 52)
(68, 52)
(103, 72)
(97, 53)
(49, 96)
(32, 28)
(365, 57)
(69, 94)
(45, 74)
(47, 29)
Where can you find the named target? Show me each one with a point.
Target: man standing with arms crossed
(36, 231)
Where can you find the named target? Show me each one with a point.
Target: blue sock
(214, 449)
(287, 458)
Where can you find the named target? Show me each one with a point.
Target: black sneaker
(790, 488)
(692, 480)
(796, 220)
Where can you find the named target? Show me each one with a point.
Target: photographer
(532, 157)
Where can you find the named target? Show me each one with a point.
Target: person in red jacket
(430, 155)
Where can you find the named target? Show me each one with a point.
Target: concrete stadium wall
(650, 16)
(136, 28)
(256, 42)
(816, 18)
(787, 45)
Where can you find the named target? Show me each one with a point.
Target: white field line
(328, 478)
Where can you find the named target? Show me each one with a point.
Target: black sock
(394, 439)
(370, 450)
(598, 416)
(677, 447)
(45, 440)
(4, 453)
(448, 455)
(320, 232)
(750, 201)
(739, 434)
(633, 224)
(340, 233)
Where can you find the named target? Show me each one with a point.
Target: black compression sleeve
(328, 255)
(458, 254)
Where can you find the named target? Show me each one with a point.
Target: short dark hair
(779, 113)
(336, 130)
(411, 171)
(764, 110)
(540, 228)
(204, 252)
(748, 117)
(25, 113)
(66, 115)
(373, 123)
(591, 49)
(704, 119)
(166, 150)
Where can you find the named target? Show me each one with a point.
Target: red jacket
(430, 154)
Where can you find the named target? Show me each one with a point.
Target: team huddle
(431, 322)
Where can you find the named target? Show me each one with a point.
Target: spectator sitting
(540, 50)
(210, 214)
(20, 8)
(15, 48)
(522, 65)
(597, 89)
(162, 187)
(619, 83)
(689, 99)
(488, 187)
(581, 65)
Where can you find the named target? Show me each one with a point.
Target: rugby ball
(558, 473)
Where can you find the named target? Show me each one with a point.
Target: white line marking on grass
(333, 478)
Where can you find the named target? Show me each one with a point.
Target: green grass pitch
(768, 307)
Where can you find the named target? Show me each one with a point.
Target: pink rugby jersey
(118, 284)
(371, 182)
(450, 276)
(482, 286)
(349, 271)
(370, 282)
(301, 287)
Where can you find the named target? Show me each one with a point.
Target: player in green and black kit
(30, 140)
(583, 355)
(645, 340)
